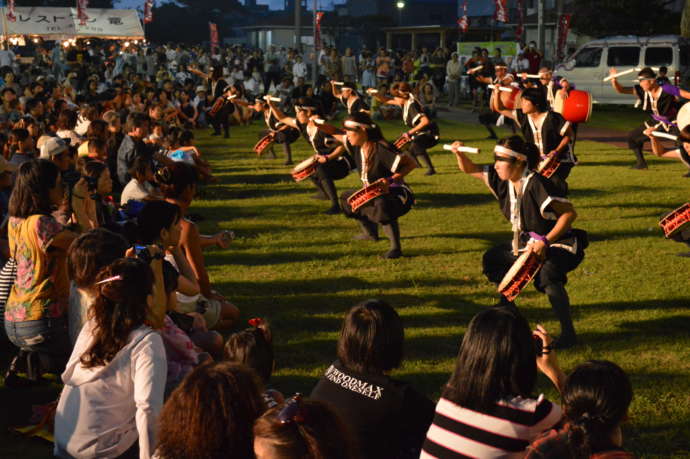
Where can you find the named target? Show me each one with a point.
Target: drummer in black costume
(661, 106)
(334, 162)
(377, 159)
(217, 87)
(547, 130)
(490, 118)
(347, 94)
(283, 134)
(542, 223)
(423, 132)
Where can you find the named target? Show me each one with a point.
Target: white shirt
(102, 411)
(135, 191)
(299, 69)
(6, 58)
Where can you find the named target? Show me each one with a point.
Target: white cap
(53, 147)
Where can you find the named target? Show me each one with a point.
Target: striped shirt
(505, 432)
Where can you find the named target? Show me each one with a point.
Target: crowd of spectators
(104, 281)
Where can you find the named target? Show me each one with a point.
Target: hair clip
(292, 411)
(110, 279)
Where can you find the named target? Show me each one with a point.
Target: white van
(590, 64)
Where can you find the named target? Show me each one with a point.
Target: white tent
(62, 23)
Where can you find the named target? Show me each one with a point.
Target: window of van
(684, 56)
(658, 56)
(623, 56)
(588, 57)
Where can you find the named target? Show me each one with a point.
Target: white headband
(508, 152)
(355, 124)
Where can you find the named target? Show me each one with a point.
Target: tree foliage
(685, 20)
(599, 18)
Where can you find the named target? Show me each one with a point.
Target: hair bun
(164, 176)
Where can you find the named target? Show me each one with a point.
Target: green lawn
(301, 270)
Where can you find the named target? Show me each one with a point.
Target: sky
(273, 4)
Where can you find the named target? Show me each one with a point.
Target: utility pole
(298, 25)
(314, 68)
(540, 25)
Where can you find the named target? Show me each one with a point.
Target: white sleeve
(149, 370)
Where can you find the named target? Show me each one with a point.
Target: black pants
(221, 120)
(637, 139)
(383, 209)
(559, 262)
(325, 175)
(488, 120)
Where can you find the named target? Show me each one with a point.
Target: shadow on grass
(443, 200)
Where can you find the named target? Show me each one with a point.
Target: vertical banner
(501, 13)
(317, 30)
(81, 11)
(11, 14)
(464, 21)
(148, 11)
(563, 30)
(520, 29)
(215, 40)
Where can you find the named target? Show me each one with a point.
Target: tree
(599, 18)
(685, 20)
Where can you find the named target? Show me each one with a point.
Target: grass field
(302, 271)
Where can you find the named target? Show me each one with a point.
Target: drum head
(304, 164)
(683, 118)
(513, 271)
(577, 108)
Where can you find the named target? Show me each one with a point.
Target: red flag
(563, 29)
(10, 11)
(317, 30)
(464, 21)
(520, 29)
(215, 41)
(501, 13)
(81, 11)
(148, 11)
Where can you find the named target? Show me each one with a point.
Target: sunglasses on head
(292, 411)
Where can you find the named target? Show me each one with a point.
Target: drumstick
(500, 88)
(231, 96)
(372, 91)
(618, 74)
(338, 83)
(319, 121)
(476, 69)
(532, 75)
(273, 99)
(664, 135)
(463, 149)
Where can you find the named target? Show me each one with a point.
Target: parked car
(590, 64)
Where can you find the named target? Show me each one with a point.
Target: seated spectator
(100, 210)
(180, 145)
(57, 151)
(211, 414)
(88, 255)
(133, 145)
(115, 378)
(388, 417)
(66, 123)
(596, 398)
(160, 223)
(254, 347)
(140, 187)
(35, 313)
(24, 147)
(302, 429)
(487, 408)
(178, 184)
(98, 129)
